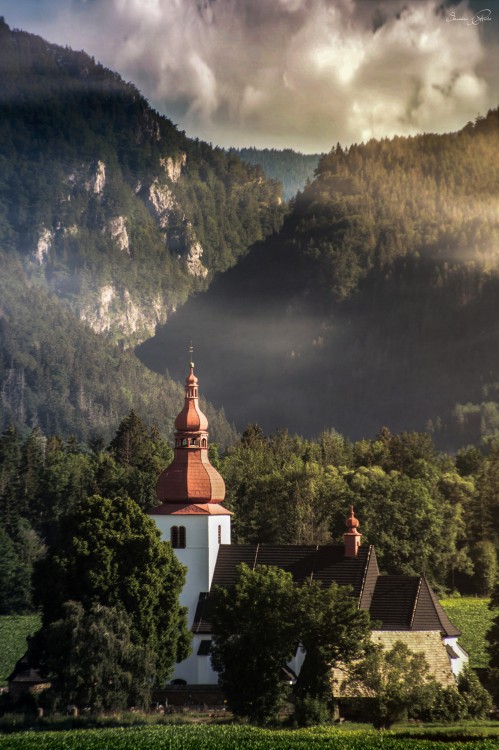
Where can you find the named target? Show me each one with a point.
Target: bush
(310, 711)
(447, 705)
(477, 699)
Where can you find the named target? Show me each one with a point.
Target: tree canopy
(93, 661)
(109, 553)
(258, 625)
(255, 635)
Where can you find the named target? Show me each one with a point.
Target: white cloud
(301, 73)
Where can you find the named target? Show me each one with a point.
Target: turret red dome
(352, 522)
(191, 418)
(191, 478)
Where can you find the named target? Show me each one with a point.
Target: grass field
(473, 618)
(14, 629)
(249, 738)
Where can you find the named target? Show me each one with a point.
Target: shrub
(477, 699)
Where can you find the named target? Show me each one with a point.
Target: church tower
(190, 515)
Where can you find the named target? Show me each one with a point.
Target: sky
(302, 74)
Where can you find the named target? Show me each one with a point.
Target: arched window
(203, 443)
(174, 536)
(178, 537)
(181, 537)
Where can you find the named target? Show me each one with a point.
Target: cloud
(299, 73)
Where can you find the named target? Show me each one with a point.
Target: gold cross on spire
(191, 352)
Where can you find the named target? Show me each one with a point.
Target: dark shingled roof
(395, 602)
(429, 613)
(324, 564)
(200, 625)
(408, 603)
(204, 648)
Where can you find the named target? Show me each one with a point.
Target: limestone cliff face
(162, 202)
(44, 244)
(113, 312)
(97, 182)
(178, 231)
(174, 167)
(116, 227)
(124, 247)
(193, 260)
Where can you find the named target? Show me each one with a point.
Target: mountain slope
(376, 304)
(58, 374)
(108, 203)
(109, 219)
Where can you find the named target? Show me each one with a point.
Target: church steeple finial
(191, 354)
(352, 536)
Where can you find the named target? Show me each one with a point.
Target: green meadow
(14, 629)
(473, 618)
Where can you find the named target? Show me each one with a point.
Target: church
(191, 516)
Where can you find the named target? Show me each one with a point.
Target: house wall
(427, 642)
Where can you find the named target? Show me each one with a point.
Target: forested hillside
(62, 377)
(376, 304)
(109, 218)
(108, 203)
(289, 167)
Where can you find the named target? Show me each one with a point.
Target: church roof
(190, 477)
(190, 509)
(395, 603)
(326, 564)
(409, 603)
(191, 418)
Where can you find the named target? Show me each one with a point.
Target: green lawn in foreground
(14, 629)
(473, 618)
(245, 737)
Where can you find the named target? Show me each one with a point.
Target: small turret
(352, 537)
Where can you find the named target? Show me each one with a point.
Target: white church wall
(200, 553)
(214, 524)
(457, 665)
(199, 557)
(196, 669)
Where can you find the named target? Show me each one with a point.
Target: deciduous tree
(331, 629)
(255, 634)
(94, 662)
(393, 680)
(109, 552)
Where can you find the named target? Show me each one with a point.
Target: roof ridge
(440, 610)
(416, 599)
(366, 566)
(312, 571)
